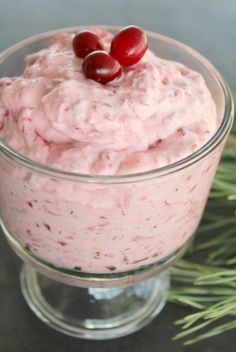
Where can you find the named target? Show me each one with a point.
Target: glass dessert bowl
(97, 248)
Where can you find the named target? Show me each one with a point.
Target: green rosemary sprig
(210, 288)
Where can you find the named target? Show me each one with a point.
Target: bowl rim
(207, 148)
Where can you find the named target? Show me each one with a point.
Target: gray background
(206, 25)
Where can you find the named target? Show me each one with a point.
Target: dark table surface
(206, 25)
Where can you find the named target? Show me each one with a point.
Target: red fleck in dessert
(149, 114)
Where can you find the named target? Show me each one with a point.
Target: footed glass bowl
(97, 248)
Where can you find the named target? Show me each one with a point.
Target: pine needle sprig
(210, 288)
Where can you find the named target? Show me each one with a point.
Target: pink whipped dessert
(157, 113)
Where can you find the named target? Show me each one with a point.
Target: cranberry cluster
(127, 48)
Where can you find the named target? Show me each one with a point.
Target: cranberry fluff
(97, 104)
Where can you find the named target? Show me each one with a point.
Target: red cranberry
(86, 42)
(101, 67)
(129, 45)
